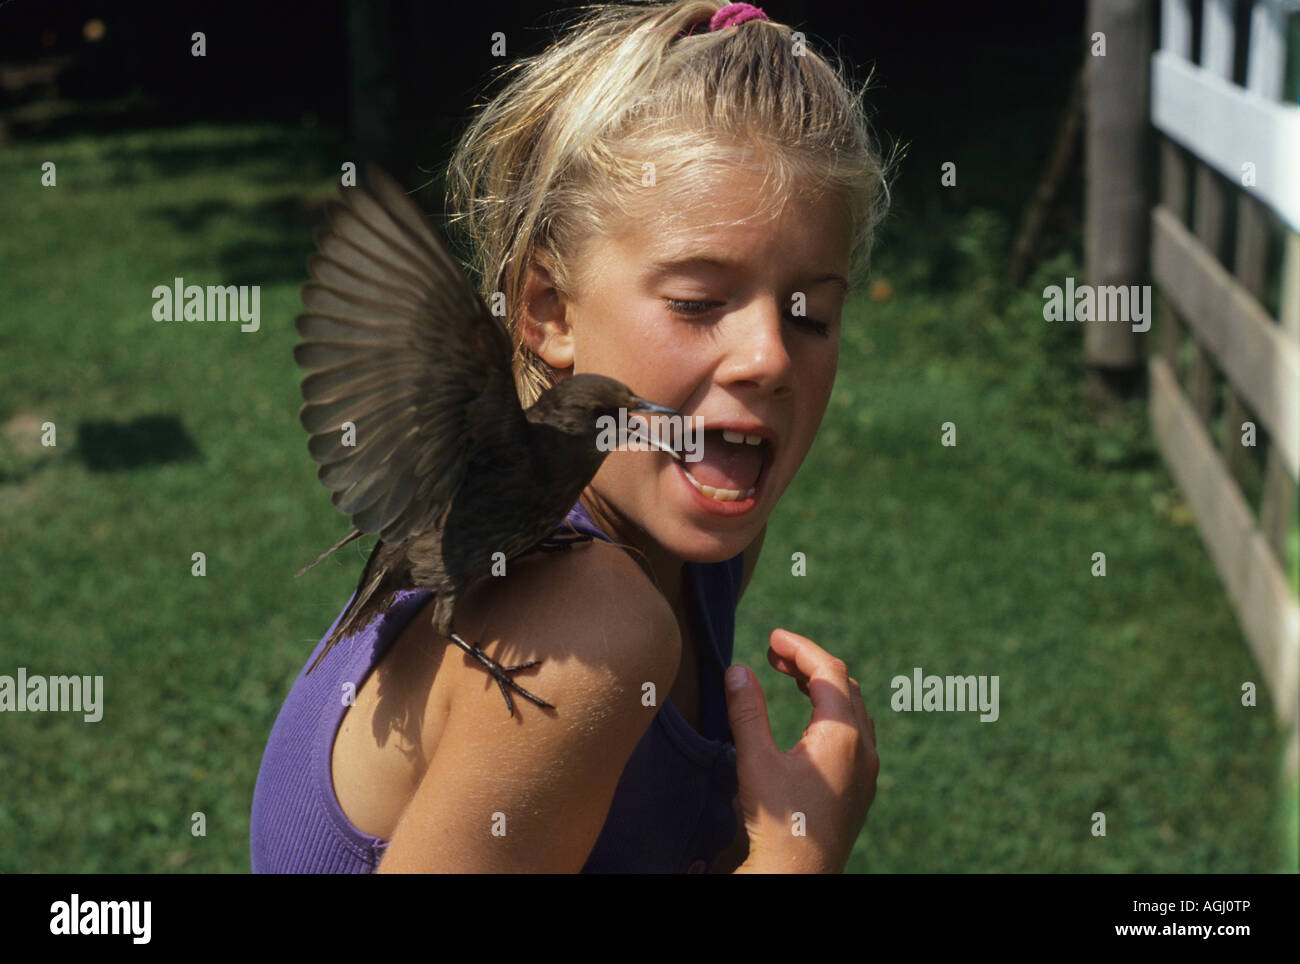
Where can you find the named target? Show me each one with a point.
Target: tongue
(726, 465)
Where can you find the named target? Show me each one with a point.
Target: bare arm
(530, 795)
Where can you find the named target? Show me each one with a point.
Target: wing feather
(396, 341)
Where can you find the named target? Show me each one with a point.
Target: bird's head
(598, 409)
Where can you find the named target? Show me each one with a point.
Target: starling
(415, 422)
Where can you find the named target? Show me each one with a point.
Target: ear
(544, 319)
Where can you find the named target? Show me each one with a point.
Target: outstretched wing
(398, 344)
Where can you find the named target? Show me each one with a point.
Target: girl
(674, 196)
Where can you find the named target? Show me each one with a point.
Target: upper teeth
(740, 438)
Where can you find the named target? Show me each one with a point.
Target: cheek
(817, 375)
(617, 342)
(657, 349)
(816, 379)
(656, 332)
(626, 326)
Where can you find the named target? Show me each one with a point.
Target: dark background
(400, 76)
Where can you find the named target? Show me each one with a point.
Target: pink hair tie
(733, 15)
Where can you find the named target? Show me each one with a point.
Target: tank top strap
(580, 520)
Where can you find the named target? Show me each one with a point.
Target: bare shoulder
(543, 778)
(587, 611)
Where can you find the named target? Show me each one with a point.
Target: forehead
(742, 217)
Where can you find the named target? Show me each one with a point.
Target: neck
(665, 568)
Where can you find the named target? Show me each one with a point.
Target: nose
(756, 349)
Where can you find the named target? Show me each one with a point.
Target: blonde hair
(556, 158)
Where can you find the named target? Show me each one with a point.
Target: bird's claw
(502, 674)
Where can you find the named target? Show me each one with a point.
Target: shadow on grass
(280, 258)
(109, 446)
(262, 155)
(290, 220)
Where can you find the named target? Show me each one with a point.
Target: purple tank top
(671, 812)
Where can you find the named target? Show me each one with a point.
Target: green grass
(1118, 694)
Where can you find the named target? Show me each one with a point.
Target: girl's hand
(829, 776)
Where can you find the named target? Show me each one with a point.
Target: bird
(413, 418)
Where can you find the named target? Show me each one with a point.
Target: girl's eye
(700, 307)
(813, 325)
(692, 307)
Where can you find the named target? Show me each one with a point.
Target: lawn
(1119, 694)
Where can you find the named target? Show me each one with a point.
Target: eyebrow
(686, 262)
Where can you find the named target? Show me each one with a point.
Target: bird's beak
(641, 406)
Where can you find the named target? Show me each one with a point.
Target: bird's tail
(352, 536)
(371, 594)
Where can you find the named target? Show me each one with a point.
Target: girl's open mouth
(737, 463)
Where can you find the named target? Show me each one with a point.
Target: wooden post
(1280, 493)
(1173, 196)
(1250, 263)
(1175, 37)
(1217, 37)
(1290, 313)
(1116, 203)
(1280, 490)
(1025, 251)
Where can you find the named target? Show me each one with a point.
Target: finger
(783, 665)
(865, 723)
(799, 650)
(751, 730)
(868, 724)
(789, 670)
(828, 677)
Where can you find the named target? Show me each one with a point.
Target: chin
(691, 543)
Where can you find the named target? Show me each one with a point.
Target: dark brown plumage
(446, 466)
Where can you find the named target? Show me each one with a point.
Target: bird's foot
(502, 674)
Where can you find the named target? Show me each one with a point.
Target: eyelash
(700, 307)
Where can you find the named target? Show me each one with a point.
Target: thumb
(747, 711)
